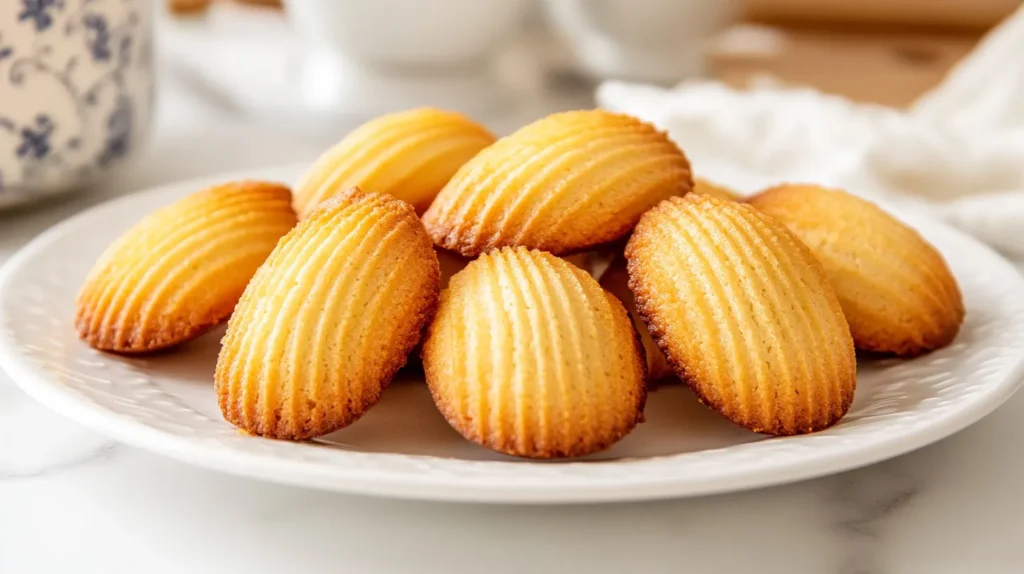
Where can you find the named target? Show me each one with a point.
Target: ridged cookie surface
(895, 288)
(616, 280)
(328, 319)
(452, 263)
(180, 270)
(744, 314)
(410, 155)
(530, 357)
(563, 184)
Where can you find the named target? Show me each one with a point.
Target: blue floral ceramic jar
(76, 91)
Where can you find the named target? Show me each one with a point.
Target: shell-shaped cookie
(563, 184)
(328, 319)
(896, 290)
(180, 270)
(616, 280)
(744, 314)
(530, 357)
(410, 155)
(705, 187)
(452, 263)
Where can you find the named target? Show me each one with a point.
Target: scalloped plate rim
(369, 481)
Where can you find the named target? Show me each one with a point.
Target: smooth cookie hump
(328, 319)
(530, 357)
(704, 187)
(563, 184)
(895, 288)
(180, 270)
(410, 155)
(744, 314)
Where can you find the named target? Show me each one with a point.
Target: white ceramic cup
(76, 91)
(372, 56)
(660, 41)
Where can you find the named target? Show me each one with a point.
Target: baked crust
(180, 270)
(530, 357)
(743, 313)
(896, 290)
(563, 184)
(616, 280)
(410, 155)
(705, 187)
(330, 317)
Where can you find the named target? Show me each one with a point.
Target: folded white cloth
(958, 152)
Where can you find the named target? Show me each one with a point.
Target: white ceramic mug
(661, 41)
(76, 91)
(368, 57)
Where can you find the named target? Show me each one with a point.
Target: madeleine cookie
(530, 357)
(616, 280)
(895, 289)
(744, 314)
(180, 270)
(410, 155)
(705, 187)
(563, 184)
(452, 263)
(328, 319)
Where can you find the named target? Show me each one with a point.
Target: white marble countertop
(71, 500)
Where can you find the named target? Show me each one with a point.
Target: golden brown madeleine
(409, 155)
(530, 357)
(452, 263)
(705, 187)
(328, 319)
(895, 289)
(181, 269)
(744, 314)
(563, 184)
(616, 280)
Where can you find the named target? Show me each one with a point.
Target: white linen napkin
(958, 151)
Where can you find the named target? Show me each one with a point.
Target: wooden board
(882, 67)
(976, 14)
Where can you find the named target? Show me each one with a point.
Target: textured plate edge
(118, 427)
(125, 429)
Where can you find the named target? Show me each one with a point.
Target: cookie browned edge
(144, 341)
(887, 347)
(444, 237)
(689, 376)
(470, 434)
(426, 308)
(641, 353)
(447, 239)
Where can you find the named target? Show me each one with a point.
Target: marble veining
(861, 504)
(88, 457)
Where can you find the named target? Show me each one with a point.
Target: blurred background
(316, 68)
(351, 52)
(241, 83)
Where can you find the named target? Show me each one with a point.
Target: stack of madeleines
(423, 225)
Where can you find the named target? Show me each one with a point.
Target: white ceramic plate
(403, 447)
